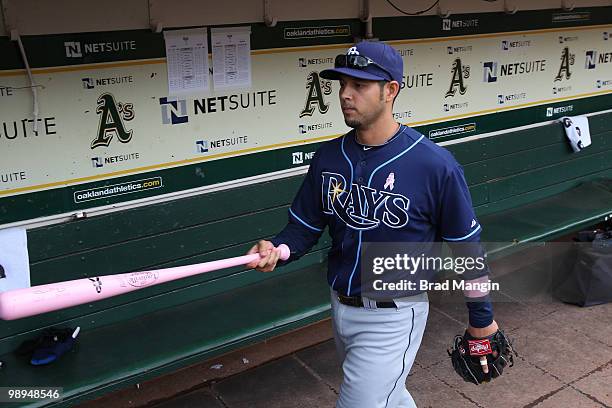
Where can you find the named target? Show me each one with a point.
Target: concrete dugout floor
(565, 360)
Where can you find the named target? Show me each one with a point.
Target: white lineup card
(187, 61)
(14, 259)
(231, 56)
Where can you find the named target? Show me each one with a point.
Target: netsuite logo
(501, 98)
(88, 83)
(423, 79)
(6, 91)
(73, 49)
(563, 39)
(204, 146)
(448, 24)
(457, 50)
(560, 89)
(303, 129)
(593, 58)
(91, 83)
(305, 62)
(491, 71)
(173, 111)
(453, 106)
(97, 162)
(406, 52)
(76, 49)
(301, 157)
(550, 111)
(603, 83)
(508, 45)
(297, 157)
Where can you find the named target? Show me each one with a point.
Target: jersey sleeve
(457, 221)
(461, 230)
(458, 225)
(306, 220)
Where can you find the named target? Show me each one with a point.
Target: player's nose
(345, 93)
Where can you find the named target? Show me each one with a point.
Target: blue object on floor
(54, 346)
(46, 355)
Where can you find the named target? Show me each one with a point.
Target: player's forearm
(476, 286)
(480, 311)
(299, 240)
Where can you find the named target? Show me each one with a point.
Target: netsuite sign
(78, 49)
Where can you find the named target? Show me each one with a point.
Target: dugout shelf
(547, 219)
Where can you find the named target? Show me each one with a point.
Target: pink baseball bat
(19, 303)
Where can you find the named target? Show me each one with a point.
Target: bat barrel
(20, 303)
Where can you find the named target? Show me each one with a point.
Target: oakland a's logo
(362, 208)
(567, 59)
(111, 121)
(460, 72)
(316, 88)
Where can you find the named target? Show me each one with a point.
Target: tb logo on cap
(352, 51)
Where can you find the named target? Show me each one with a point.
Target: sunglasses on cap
(357, 62)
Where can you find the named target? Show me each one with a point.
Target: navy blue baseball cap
(376, 61)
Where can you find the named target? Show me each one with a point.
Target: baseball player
(380, 182)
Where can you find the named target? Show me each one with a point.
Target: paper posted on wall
(577, 131)
(187, 61)
(14, 259)
(231, 56)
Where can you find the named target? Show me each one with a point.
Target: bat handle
(284, 252)
(484, 364)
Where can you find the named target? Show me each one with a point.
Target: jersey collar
(364, 147)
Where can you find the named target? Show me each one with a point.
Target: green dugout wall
(465, 76)
(488, 86)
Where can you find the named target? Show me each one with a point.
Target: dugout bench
(526, 186)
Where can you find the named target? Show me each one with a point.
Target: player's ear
(393, 88)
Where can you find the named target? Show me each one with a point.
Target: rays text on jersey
(362, 207)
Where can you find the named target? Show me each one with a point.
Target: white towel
(577, 131)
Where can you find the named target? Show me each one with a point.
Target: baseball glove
(479, 360)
